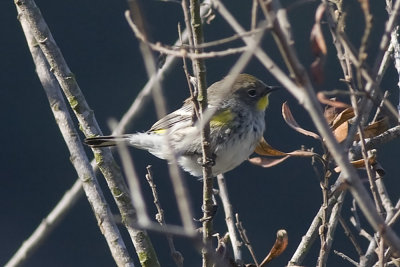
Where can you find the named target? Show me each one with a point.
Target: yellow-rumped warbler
(235, 128)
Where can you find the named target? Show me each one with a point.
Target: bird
(236, 127)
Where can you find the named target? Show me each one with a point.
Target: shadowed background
(103, 54)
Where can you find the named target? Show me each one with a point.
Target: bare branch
(176, 255)
(81, 163)
(84, 114)
(229, 219)
(245, 239)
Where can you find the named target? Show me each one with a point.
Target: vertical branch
(87, 121)
(325, 215)
(396, 56)
(78, 157)
(331, 227)
(200, 73)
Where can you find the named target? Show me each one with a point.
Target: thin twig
(229, 219)
(350, 235)
(383, 194)
(324, 224)
(254, 9)
(345, 257)
(183, 52)
(48, 224)
(176, 255)
(245, 239)
(193, 93)
(371, 177)
(331, 227)
(309, 238)
(355, 220)
(133, 181)
(379, 108)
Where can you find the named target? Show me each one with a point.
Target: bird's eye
(252, 92)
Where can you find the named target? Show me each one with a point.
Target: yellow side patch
(160, 131)
(262, 104)
(221, 119)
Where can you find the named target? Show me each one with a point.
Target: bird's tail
(103, 141)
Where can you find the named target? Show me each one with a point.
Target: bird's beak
(270, 89)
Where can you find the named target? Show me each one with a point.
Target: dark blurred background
(103, 54)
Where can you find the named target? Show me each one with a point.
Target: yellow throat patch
(262, 104)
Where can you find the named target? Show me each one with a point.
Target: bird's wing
(182, 115)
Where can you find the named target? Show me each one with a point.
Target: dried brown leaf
(289, 119)
(270, 162)
(344, 116)
(341, 132)
(280, 245)
(301, 153)
(375, 129)
(265, 149)
(317, 39)
(267, 162)
(360, 163)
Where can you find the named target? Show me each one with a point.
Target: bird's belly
(227, 156)
(232, 155)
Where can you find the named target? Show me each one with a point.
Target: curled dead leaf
(289, 119)
(343, 116)
(265, 149)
